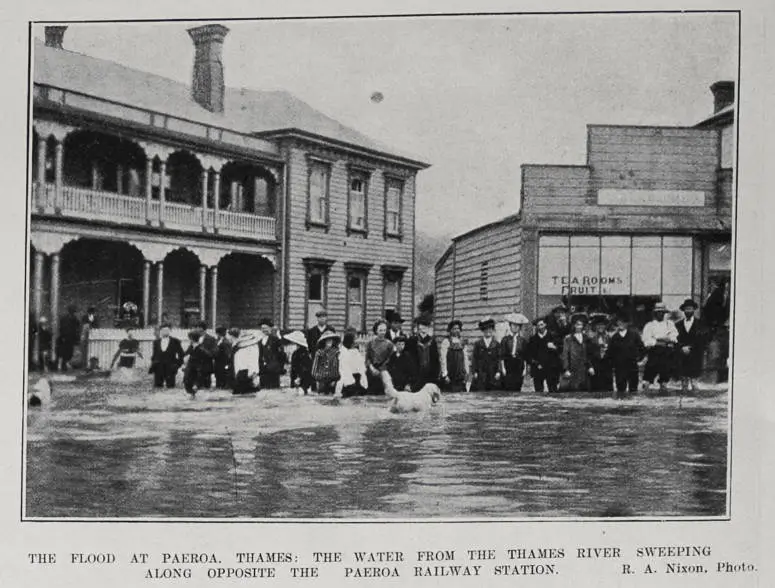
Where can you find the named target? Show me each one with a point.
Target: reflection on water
(105, 451)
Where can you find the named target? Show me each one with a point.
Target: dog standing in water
(419, 401)
(40, 393)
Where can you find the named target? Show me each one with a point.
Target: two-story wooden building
(207, 202)
(648, 217)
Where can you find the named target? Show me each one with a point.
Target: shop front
(627, 274)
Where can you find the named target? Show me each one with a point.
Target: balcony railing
(91, 204)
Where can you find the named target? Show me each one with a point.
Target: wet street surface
(103, 449)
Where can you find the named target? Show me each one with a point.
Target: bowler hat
(688, 303)
(392, 316)
(579, 316)
(487, 323)
(598, 318)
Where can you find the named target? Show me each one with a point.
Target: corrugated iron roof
(246, 111)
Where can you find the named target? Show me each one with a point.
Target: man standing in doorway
(659, 337)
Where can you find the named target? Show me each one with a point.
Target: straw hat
(516, 318)
(328, 335)
(245, 340)
(296, 337)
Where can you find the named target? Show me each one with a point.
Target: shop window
(646, 270)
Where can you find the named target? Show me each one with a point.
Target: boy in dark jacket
(199, 364)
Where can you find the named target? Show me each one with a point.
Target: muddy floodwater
(103, 449)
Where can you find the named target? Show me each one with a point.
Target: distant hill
(428, 250)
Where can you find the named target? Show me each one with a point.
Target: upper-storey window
(319, 174)
(393, 195)
(357, 205)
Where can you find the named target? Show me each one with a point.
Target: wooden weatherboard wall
(486, 277)
(333, 243)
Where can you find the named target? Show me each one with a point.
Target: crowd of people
(564, 351)
(580, 352)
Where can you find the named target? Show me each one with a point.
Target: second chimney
(55, 36)
(208, 85)
(723, 95)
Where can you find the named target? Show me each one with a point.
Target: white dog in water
(40, 393)
(419, 401)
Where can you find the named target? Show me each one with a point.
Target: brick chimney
(208, 87)
(55, 36)
(723, 95)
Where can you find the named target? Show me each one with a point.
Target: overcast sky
(474, 96)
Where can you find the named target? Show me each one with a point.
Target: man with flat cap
(692, 338)
(314, 333)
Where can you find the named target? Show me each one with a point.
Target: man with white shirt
(166, 359)
(691, 345)
(659, 337)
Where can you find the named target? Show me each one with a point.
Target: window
(391, 291)
(393, 193)
(316, 287)
(484, 279)
(355, 300)
(358, 203)
(318, 192)
(584, 270)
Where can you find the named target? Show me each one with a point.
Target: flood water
(107, 450)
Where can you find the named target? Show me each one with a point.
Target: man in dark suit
(395, 325)
(69, 335)
(223, 359)
(625, 350)
(166, 359)
(402, 367)
(692, 337)
(425, 352)
(272, 358)
(314, 333)
(208, 348)
(513, 353)
(543, 352)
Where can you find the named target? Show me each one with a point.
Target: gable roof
(245, 110)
